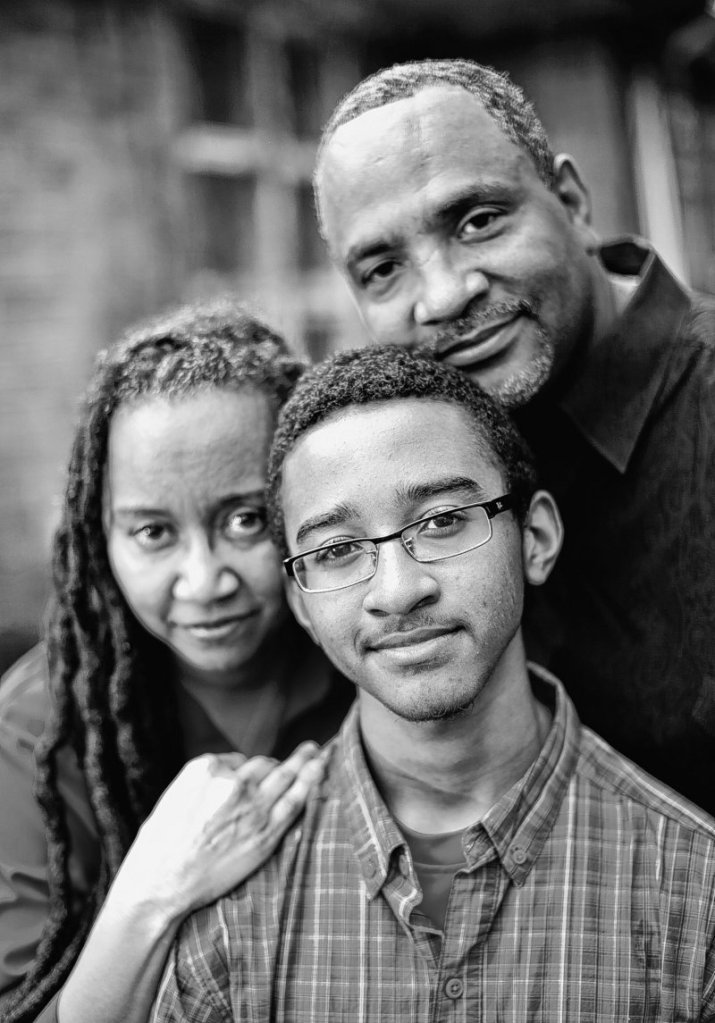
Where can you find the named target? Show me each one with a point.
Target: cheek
(146, 589)
(386, 321)
(556, 271)
(261, 570)
(334, 627)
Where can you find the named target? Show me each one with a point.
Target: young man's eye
(246, 522)
(442, 522)
(336, 555)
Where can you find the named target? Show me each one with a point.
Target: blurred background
(161, 151)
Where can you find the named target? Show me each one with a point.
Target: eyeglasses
(437, 537)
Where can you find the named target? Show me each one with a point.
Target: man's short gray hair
(504, 101)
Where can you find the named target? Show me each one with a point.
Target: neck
(610, 295)
(247, 704)
(440, 776)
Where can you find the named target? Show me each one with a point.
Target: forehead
(369, 459)
(440, 139)
(201, 439)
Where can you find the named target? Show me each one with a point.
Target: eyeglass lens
(445, 535)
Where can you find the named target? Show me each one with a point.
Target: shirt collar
(374, 834)
(519, 824)
(619, 377)
(515, 828)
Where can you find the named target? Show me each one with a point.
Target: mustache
(474, 317)
(403, 624)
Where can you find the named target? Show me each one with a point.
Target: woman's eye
(152, 535)
(246, 522)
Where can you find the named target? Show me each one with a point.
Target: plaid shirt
(589, 894)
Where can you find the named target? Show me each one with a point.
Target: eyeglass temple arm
(499, 504)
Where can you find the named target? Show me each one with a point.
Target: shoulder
(700, 320)
(696, 338)
(623, 784)
(316, 847)
(227, 950)
(25, 695)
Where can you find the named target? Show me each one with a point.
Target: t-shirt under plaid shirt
(588, 894)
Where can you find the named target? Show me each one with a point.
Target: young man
(455, 225)
(472, 852)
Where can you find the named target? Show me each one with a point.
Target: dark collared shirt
(627, 447)
(588, 894)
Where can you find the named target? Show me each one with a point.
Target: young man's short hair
(366, 376)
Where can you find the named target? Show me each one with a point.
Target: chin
(431, 709)
(517, 388)
(221, 664)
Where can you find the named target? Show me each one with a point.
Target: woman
(168, 637)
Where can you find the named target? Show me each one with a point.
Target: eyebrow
(334, 517)
(453, 206)
(411, 493)
(138, 510)
(414, 493)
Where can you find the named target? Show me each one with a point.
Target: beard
(522, 385)
(443, 710)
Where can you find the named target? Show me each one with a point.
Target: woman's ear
(542, 536)
(297, 604)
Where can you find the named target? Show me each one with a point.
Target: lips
(491, 341)
(215, 628)
(482, 334)
(477, 337)
(410, 637)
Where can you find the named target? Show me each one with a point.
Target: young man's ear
(570, 189)
(296, 602)
(542, 537)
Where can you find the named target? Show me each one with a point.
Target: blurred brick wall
(89, 208)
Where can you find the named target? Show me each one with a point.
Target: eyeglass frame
(494, 507)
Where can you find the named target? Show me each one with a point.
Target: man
(472, 852)
(455, 225)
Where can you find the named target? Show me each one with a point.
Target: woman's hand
(220, 819)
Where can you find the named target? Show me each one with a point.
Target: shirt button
(370, 866)
(453, 988)
(518, 855)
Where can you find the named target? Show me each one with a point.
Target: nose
(400, 583)
(446, 288)
(203, 575)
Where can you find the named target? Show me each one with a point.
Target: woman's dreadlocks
(112, 703)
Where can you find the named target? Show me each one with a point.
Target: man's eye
(246, 522)
(380, 274)
(479, 221)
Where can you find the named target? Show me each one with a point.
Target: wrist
(157, 908)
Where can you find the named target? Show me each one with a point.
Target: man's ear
(542, 537)
(570, 189)
(296, 602)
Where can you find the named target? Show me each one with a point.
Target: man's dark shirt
(627, 447)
